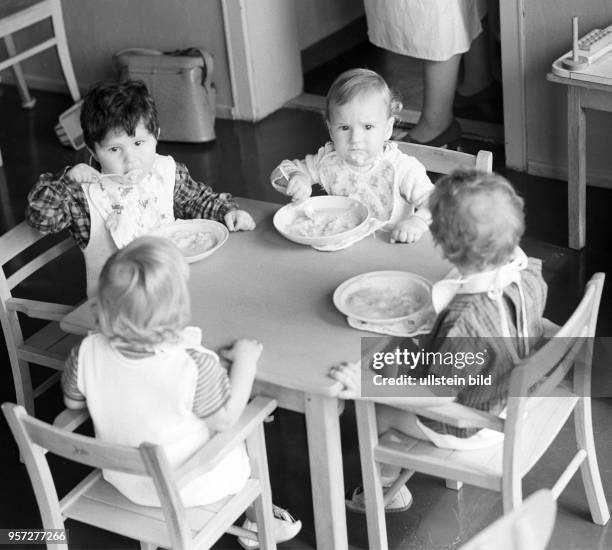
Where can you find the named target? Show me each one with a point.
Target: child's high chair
(19, 14)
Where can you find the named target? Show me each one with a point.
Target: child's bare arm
(349, 375)
(244, 355)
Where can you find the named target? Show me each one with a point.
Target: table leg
(326, 473)
(576, 168)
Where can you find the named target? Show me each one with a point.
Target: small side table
(581, 94)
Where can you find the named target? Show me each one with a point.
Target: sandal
(401, 501)
(285, 528)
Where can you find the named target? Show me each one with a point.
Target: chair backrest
(18, 240)
(444, 161)
(34, 437)
(541, 374)
(529, 526)
(23, 251)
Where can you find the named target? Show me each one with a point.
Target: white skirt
(426, 29)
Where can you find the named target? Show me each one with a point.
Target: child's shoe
(285, 528)
(401, 501)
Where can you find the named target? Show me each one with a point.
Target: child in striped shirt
(494, 300)
(146, 377)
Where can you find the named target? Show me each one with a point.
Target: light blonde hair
(142, 297)
(477, 218)
(355, 82)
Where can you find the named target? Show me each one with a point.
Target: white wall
(548, 36)
(320, 18)
(98, 28)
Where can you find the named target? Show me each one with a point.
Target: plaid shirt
(55, 203)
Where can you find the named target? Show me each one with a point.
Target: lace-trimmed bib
(374, 187)
(130, 211)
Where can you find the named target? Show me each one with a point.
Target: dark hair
(113, 105)
(477, 218)
(353, 82)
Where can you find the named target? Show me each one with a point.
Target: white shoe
(401, 501)
(285, 528)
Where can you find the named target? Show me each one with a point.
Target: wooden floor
(240, 161)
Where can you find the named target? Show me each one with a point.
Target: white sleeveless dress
(426, 29)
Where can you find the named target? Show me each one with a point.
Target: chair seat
(482, 467)
(49, 346)
(96, 502)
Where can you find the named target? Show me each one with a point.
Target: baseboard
(335, 44)
(596, 178)
(46, 84)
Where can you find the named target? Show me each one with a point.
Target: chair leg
(589, 469)
(453, 484)
(512, 494)
(256, 446)
(23, 386)
(64, 53)
(370, 472)
(27, 101)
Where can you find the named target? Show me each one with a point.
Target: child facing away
(146, 377)
(360, 161)
(135, 189)
(494, 300)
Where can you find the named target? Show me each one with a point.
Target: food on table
(383, 303)
(324, 222)
(191, 242)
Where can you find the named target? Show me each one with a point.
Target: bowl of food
(383, 296)
(196, 239)
(320, 221)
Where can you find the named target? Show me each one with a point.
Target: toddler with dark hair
(131, 190)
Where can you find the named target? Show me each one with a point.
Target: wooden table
(260, 285)
(581, 95)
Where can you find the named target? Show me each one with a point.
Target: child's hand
(83, 173)
(409, 230)
(239, 220)
(243, 350)
(349, 375)
(299, 187)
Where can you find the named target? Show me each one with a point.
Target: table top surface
(260, 285)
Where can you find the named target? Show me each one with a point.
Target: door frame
(249, 83)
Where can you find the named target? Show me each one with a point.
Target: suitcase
(181, 85)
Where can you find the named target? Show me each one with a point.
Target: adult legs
(476, 69)
(440, 82)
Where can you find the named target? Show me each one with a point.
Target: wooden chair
(536, 412)
(528, 527)
(19, 14)
(50, 346)
(444, 161)
(96, 502)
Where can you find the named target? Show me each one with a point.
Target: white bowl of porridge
(320, 221)
(196, 239)
(383, 296)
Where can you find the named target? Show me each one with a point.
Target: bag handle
(207, 58)
(139, 51)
